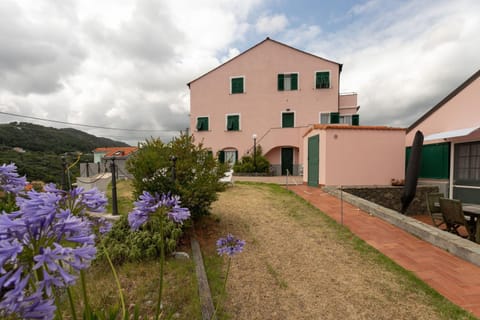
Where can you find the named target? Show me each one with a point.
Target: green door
(313, 163)
(287, 161)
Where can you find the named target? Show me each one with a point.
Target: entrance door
(313, 163)
(287, 161)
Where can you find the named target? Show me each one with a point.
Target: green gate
(287, 161)
(313, 163)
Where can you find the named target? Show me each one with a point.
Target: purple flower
(104, 226)
(59, 242)
(78, 200)
(10, 181)
(94, 200)
(178, 214)
(229, 245)
(148, 204)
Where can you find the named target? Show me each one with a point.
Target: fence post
(64, 172)
(114, 188)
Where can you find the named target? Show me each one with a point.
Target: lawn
(297, 264)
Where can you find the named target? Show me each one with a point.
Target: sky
(119, 68)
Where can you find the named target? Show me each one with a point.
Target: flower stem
(72, 306)
(115, 275)
(57, 304)
(84, 292)
(162, 260)
(214, 316)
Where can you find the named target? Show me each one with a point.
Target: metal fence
(276, 170)
(92, 169)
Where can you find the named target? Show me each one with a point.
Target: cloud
(125, 63)
(36, 54)
(402, 62)
(113, 63)
(271, 24)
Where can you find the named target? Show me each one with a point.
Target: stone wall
(389, 197)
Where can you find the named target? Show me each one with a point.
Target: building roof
(116, 151)
(350, 127)
(444, 101)
(257, 45)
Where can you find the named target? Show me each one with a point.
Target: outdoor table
(473, 212)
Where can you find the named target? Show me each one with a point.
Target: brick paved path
(454, 278)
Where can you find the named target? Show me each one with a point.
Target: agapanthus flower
(78, 200)
(10, 181)
(149, 204)
(60, 243)
(229, 245)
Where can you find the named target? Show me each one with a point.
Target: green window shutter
(233, 123)
(322, 80)
(435, 162)
(288, 120)
(355, 119)
(294, 81)
(237, 85)
(202, 124)
(281, 79)
(221, 156)
(236, 156)
(334, 117)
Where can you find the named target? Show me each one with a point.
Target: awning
(451, 134)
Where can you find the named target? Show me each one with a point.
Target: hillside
(33, 137)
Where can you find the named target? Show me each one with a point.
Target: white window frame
(294, 119)
(329, 79)
(320, 117)
(345, 116)
(244, 84)
(239, 121)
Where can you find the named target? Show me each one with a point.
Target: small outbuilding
(344, 155)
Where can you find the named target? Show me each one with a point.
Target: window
(233, 122)
(288, 120)
(228, 156)
(325, 117)
(287, 82)
(467, 163)
(202, 123)
(237, 85)
(322, 80)
(346, 119)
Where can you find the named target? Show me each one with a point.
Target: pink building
(269, 95)
(343, 155)
(451, 151)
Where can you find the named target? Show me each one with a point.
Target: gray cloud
(125, 63)
(35, 54)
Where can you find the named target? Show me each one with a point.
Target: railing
(276, 170)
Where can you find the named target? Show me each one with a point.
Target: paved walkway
(454, 278)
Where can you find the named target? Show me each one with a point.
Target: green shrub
(246, 164)
(125, 245)
(197, 172)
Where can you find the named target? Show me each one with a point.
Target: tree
(197, 173)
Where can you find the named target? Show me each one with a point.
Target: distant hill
(33, 137)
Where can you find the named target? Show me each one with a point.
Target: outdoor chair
(433, 207)
(454, 218)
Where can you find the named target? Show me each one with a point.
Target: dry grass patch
(299, 264)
